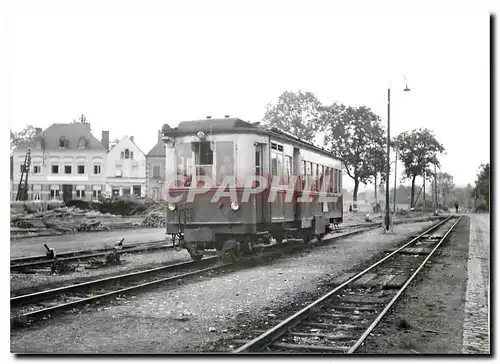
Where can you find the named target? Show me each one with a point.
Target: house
(67, 162)
(155, 170)
(126, 169)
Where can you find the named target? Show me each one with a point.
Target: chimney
(209, 117)
(132, 138)
(38, 131)
(105, 139)
(159, 134)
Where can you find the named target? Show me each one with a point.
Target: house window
(131, 155)
(63, 142)
(115, 191)
(137, 190)
(81, 169)
(156, 193)
(67, 169)
(156, 171)
(22, 168)
(96, 194)
(134, 171)
(127, 154)
(126, 191)
(82, 143)
(37, 169)
(36, 196)
(55, 169)
(80, 193)
(122, 155)
(118, 170)
(97, 169)
(54, 194)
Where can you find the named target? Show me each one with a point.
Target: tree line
(355, 135)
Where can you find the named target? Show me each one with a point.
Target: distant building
(67, 162)
(126, 169)
(155, 170)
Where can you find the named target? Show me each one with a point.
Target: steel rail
(42, 260)
(265, 339)
(37, 296)
(401, 290)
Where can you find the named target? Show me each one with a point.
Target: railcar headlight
(235, 206)
(171, 206)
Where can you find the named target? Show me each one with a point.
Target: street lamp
(388, 153)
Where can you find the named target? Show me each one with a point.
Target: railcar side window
(335, 183)
(224, 160)
(277, 160)
(288, 168)
(339, 180)
(204, 157)
(308, 175)
(184, 160)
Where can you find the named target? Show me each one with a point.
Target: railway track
(28, 307)
(40, 261)
(340, 320)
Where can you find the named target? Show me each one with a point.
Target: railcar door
(297, 168)
(259, 166)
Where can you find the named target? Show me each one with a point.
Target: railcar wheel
(235, 254)
(196, 255)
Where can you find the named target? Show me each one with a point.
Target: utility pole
(388, 159)
(435, 188)
(424, 192)
(395, 178)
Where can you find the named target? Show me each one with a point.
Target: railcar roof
(228, 125)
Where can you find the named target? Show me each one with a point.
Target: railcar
(236, 186)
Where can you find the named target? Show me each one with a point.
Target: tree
(16, 138)
(445, 185)
(356, 136)
(418, 150)
(296, 113)
(481, 190)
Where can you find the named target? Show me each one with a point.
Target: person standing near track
(456, 207)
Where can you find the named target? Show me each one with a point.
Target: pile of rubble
(155, 219)
(118, 213)
(63, 219)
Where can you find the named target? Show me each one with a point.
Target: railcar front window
(204, 157)
(225, 161)
(184, 160)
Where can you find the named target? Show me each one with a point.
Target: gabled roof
(72, 132)
(130, 140)
(158, 150)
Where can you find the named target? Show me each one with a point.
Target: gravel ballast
(196, 314)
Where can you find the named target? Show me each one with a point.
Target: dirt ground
(195, 315)
(429, 317)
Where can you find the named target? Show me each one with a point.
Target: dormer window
(63, 142)
(127, 154)
(82, 143)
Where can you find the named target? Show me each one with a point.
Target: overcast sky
(130, 69)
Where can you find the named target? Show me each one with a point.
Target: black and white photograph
(249, 177)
